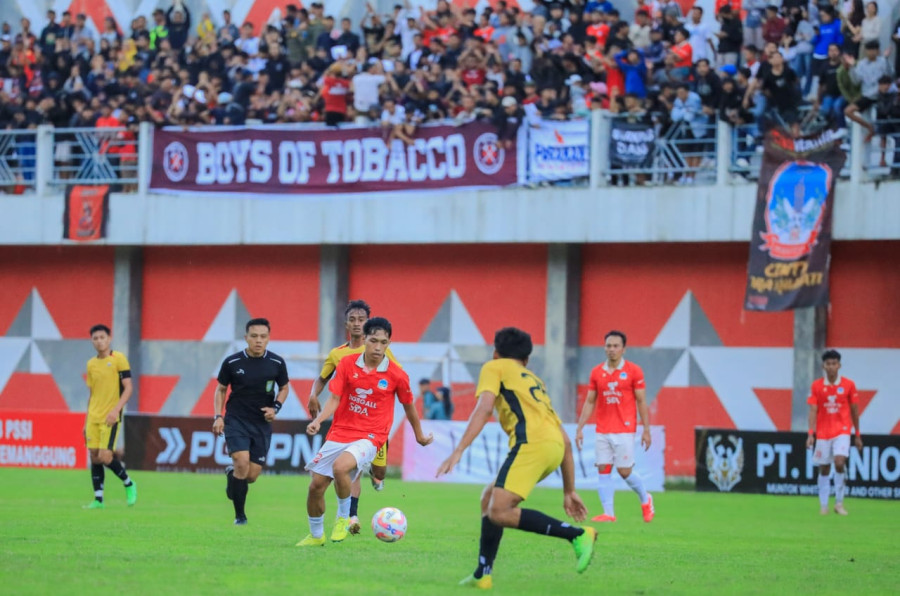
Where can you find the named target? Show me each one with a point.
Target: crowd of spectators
(753, 64)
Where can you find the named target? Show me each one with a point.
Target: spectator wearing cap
(731, 37)
(508, 118)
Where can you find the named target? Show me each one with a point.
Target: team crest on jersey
(623, 375)
(724, 461)
(269, 385)
(382, 384)
(840, 390)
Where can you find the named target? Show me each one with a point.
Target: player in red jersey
(833, 408)
(621, 385)
(362, 401)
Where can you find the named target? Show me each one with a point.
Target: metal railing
(747, 150)
(18, 159)
(46, 160)
(884, 150)
(94, 156)
(681, 152)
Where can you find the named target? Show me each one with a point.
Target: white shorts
(363, 450)
(827, 449)
(614, 448)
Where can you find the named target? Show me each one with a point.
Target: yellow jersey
(104, 379)
(522, 404)
(336, 354)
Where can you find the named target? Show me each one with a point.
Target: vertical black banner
(790, 245)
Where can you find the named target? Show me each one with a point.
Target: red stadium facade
(708, 362)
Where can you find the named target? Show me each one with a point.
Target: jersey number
(537, 391)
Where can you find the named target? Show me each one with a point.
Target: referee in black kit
(252, 406)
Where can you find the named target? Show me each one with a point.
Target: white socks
(343, 507)
(637, 485)
(317, 526)
(606, 491)
(838, 488)
(825, 488)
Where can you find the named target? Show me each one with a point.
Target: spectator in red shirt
(774, 26)
(335, 86)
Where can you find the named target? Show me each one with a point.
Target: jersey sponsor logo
(725, 461)
(382, 384)
(612, 393)
(359, 404)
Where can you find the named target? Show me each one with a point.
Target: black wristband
(277, 405)
(217, 416)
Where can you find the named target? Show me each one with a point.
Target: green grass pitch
(179, 539)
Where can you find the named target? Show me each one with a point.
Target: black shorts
(244, 435)
(334, 118)
(864, 103)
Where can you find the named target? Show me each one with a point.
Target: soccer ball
(389, 524)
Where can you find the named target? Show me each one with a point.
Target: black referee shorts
(245, 435)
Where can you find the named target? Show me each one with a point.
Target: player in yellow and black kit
(356, 314)
(537, 446)
(109, 379)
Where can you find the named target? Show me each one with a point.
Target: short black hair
(377, 324)
(885, 80)
(831, 355)
(615, 333)
(872, 44)
(423, 381)
(511, 342)
(100, 327)
(257, 321)
(357, 305)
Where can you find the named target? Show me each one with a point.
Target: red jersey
(616, 410)
(615, 79)
(485, 33)
(334, 92)
(366, 410)
(833, 406)
(473, 76)
(684, 54)
(599, 31)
